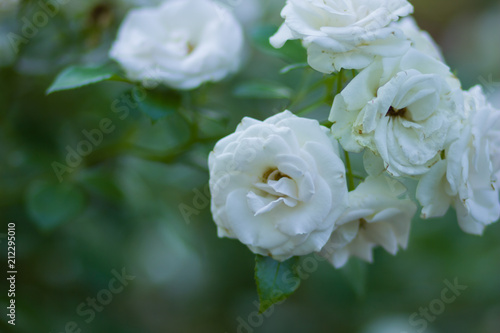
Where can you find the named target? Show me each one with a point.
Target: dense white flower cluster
(404, 109)
(467, 177)
(408, 113)
(280, 186)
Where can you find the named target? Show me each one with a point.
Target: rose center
(274, 189)
(273, 174)
(394, 113)
(190, 48)
(363, 224)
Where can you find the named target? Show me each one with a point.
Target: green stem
(350, 177)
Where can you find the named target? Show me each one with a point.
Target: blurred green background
(120, 207)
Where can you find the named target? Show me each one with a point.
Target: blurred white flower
(142, 3)
(420, 39)
(278, 186)
(182, 43)
(376, 216)
(344, 34)
(394, 324)
(468, 177)
(404, 110)
(248, 12)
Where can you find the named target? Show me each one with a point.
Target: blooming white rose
(278, 186)
(344, 34)
(182, 43)
(403, 109)
(376, 216)
(468, 177)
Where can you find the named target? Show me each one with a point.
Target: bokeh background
(119, 209)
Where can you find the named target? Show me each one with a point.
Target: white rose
(344, 34)
(376, 216)
(467, 178)
(182, 43)
(402, 109)
(278, 186)
(248, 12)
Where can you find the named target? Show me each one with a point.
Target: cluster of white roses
(279, 186)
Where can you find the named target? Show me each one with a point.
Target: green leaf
(289, 68)
(157, 105)
(264, 90)
(275, 280)
(212, 124)
(292, 51)
(163, 137)
(79, 76)
(100, 183)
(355, 271)
(51, 204)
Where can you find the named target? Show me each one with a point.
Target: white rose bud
(182, 43)
(402, 109)
(344, 34)
(278, 186)
(377, 216)
(468, 177)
